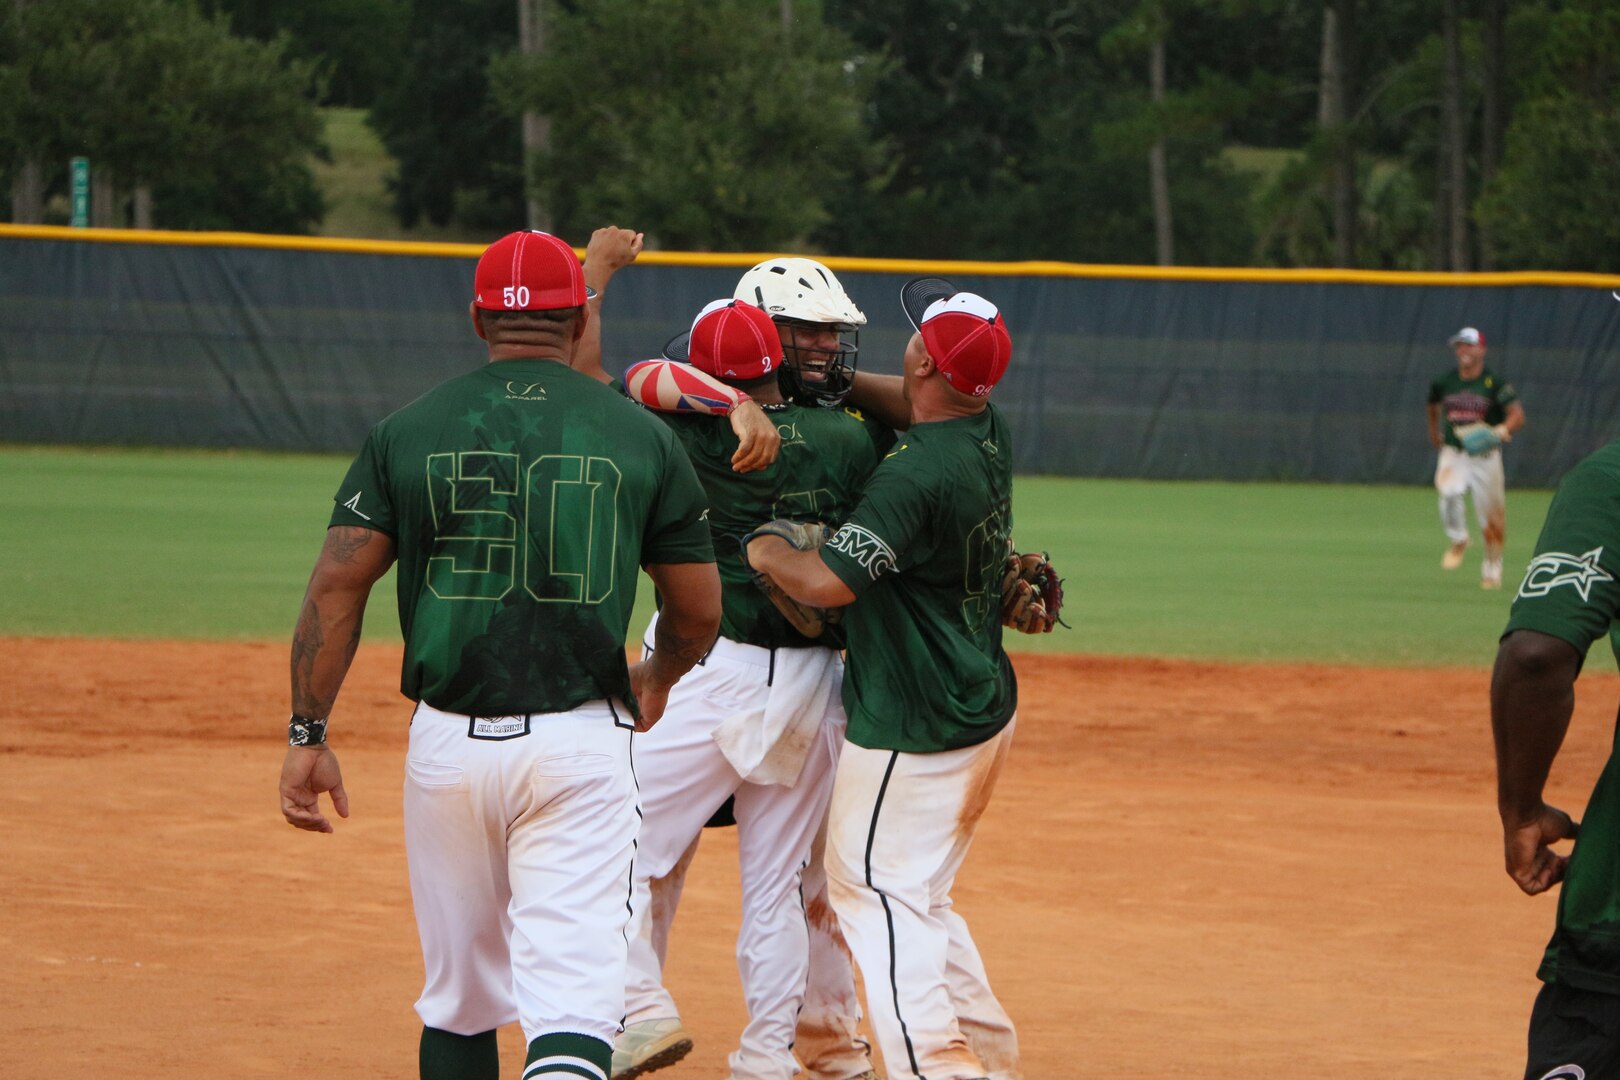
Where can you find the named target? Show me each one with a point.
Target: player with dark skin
(1568, 601)
(514, 621)
(1532, 698)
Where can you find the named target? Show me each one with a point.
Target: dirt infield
(1187, 870)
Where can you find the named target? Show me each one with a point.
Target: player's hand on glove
(758, 441)
(1031, 593)
(307, 771)
(1480, 438)
(1531, 862)
(803, 536)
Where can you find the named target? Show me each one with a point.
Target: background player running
(1471, 413)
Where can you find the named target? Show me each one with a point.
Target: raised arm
(611, 249)
(688, 620)
(1532, 697)
(351, 561)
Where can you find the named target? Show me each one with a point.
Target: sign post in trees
(80, 168)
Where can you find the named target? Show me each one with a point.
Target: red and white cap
(730, 339)
(1468, 335)
(529, 271)
(964, 333)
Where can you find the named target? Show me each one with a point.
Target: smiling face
(1470, 359)
(818, 360)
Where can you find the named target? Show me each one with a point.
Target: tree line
(1399, 134)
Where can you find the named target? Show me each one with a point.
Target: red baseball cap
(529, 271)
(730, 339)
(964, 333)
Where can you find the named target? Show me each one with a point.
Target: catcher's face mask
(820, 358)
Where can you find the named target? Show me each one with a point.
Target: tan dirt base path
(1188, 869)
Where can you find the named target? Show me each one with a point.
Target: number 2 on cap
(515, 296)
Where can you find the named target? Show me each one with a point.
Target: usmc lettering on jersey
(1554, 568)
(866, 548)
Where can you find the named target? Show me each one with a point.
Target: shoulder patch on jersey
(1551, 569)
(856, 413)
(896, 450)
(866, 547)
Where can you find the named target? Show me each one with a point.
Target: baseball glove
(1478, 438)
(1031, 594)
(805, 536)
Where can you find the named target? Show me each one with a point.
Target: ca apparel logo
(1566, 1072)
(354, 504)
(1554, 568)
(525, 391)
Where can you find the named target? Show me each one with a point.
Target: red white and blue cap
(963, 332)
(1468, 335)
(730, 339)
(529, 271)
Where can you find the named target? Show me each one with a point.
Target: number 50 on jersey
(564, 507)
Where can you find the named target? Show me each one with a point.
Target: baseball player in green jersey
(1570, 599)
(1472, 413)
(760, 722)
(929, 691)
(519, 500)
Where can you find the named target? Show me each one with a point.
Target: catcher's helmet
(804, 294)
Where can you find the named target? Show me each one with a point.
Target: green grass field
(183, 544)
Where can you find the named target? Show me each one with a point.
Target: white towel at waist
(769, 745)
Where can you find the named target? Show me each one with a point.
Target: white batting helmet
(799, 289)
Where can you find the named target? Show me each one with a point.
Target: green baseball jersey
(924, 553)
(1570, 591)
(1467, 401)
(522, 498)
(825, 459)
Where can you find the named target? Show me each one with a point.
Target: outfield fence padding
(210, 341)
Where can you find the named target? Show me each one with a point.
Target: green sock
(459, 1057)
(555, 1055)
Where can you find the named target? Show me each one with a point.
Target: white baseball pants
(898, 830)
(827, 1040)
(1457, 474)
(520, 849)
(684, 778)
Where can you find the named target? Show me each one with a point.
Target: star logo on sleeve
(1551, 569)
(473, 419)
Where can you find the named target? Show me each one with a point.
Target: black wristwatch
(306, 731)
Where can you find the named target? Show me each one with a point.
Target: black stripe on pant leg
(888, 915)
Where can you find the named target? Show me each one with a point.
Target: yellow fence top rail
(882, 266)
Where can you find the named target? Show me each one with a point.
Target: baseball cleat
(648, 1046)
(1490, 583)
(1453, 556)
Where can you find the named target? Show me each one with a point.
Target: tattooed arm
(687, 624)
(351, 562)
